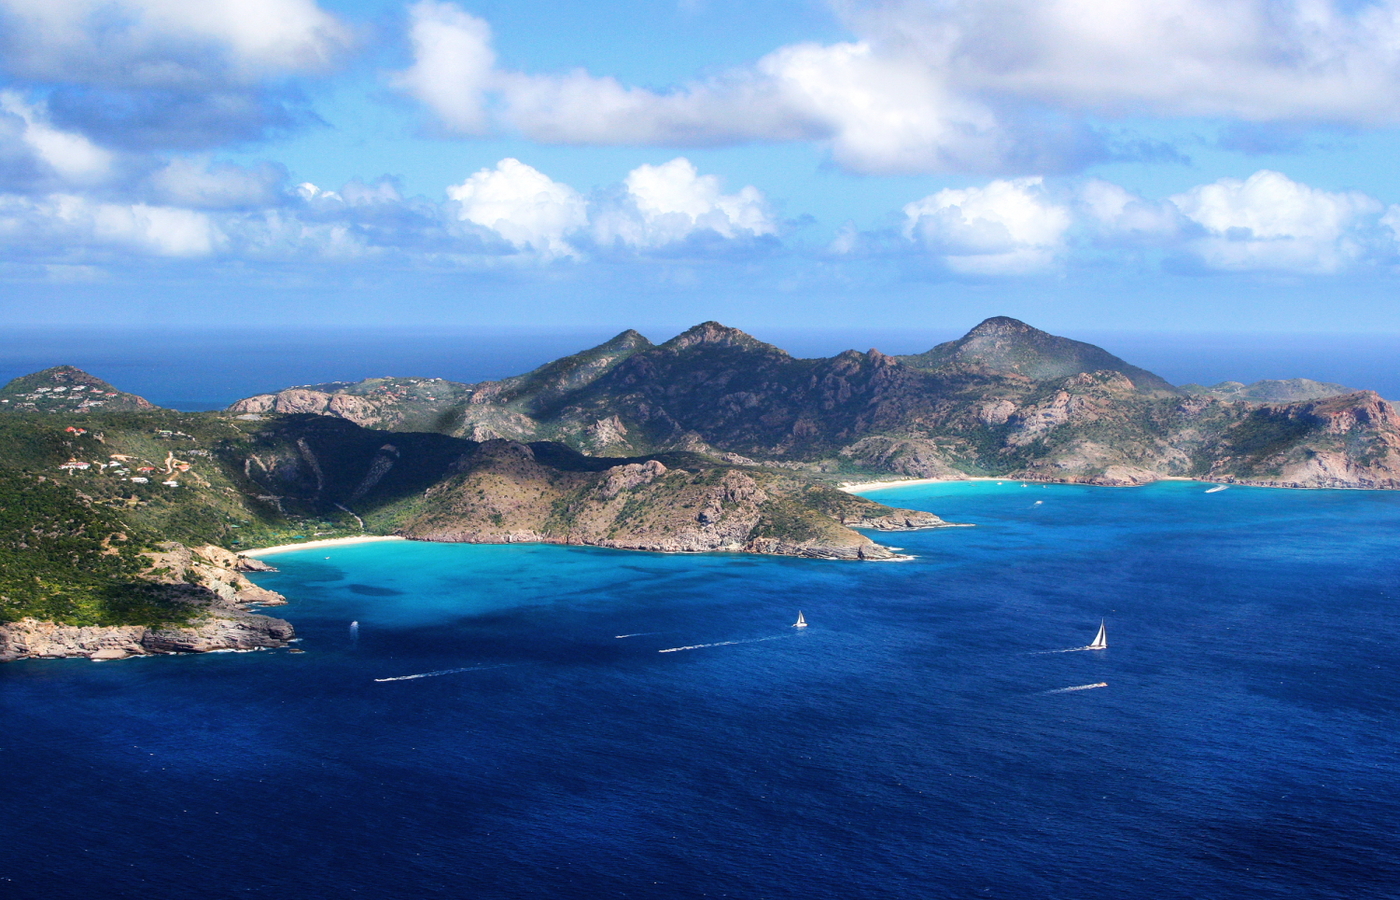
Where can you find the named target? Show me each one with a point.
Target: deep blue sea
(916, 741)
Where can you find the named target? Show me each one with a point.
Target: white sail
(1100, 639)
(801, 622)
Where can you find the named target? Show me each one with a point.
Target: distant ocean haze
(209, 369)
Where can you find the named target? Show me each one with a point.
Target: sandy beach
(311, 545)
(853, 487)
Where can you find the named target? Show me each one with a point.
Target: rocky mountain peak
(627, 340)
(1002, 326)
(715, 334)
(1006, 345)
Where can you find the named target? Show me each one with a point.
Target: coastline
(329, 542)
(862, 486)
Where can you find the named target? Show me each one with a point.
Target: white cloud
(880, 113)
(167, 42)
(956, 85)
(883, 112)
(71, 223)
(668, 203)
(453, 64)
(511, 213)
(1258, 60)
(71, 157)
(1265, 223)
(524, 206)
(1112, 211)
(1006, 228)
(1270, 222)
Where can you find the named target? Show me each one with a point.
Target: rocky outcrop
(219, 628)
(360, 410)
(895, 520)
(207, 580)
(217, 570)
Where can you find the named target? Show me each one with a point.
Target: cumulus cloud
(1007, 227)
(1270, 222)
(453, 64)
(511, 213)
(196, 207)
(672, 202)
(880, 112)
(524, 206)
(1265, 223)
(1111, 211)
(955, 85)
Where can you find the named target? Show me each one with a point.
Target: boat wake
(1100, 642)
(1078, 687)
(443, 672)
(637, 634)
(722, 644)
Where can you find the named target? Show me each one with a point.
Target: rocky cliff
(206, 582)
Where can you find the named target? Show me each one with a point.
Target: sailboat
(1100, 641)
(801, 622)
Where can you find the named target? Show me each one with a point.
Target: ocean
(502, 721)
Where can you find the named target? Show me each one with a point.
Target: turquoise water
(915, 741)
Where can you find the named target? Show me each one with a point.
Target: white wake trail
(443, 672)
(1079, 687)
(637, 634)
(722, 644)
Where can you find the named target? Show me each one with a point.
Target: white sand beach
(312, 545)
(853, 487)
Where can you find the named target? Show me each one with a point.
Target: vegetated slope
(1006, 345)
(481, 411)
(1289, 390)
(66, 389)
(91, 562)
(434, 487)
(1006, 400)
(224, 480)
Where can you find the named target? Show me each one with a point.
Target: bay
(501, 722)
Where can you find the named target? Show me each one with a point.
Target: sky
(853, 166)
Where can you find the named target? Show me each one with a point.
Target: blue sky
(1087, 165)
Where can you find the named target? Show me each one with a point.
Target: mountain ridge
(1006, 399)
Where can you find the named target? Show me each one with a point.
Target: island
(123, 527)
